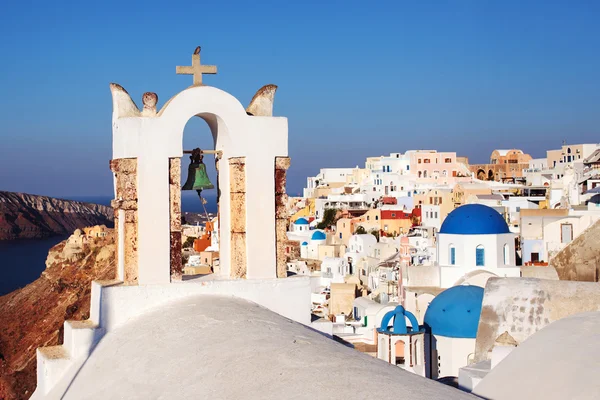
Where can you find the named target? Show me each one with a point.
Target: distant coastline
(189, 201)
(27, 216)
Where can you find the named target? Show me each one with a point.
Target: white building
(310, 248)
(546, 232)
(324, 178)
(359, 247)
(401, 345)
(475, 239)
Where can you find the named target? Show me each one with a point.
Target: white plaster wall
(552, 229)
(153, 140)
(453, 354)
(118, 304)
(427, 215)
(465, 245)
(466, 256)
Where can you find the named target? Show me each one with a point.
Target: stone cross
(196, 68)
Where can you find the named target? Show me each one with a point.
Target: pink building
(431, 166)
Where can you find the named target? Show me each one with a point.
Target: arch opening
(199, 222)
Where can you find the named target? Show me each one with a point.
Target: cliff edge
(26, 216)
(33, 316)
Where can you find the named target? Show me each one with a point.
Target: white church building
(475, 243)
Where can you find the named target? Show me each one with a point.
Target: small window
(340, 235)
(393, 215)
(480, 256)
(452, 255)
(506, 254)
(419, 161)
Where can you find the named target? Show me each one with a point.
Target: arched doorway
(399, 352)
(481, 175)
(490, 175)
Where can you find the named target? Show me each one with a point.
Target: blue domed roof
(301, 221)
(304, 243)
(399, 315)
(455, 312)
(474, 219)
(318, 235)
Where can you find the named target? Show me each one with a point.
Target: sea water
(23, 261)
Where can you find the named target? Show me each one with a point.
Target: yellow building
(371, 220)
(307, 211)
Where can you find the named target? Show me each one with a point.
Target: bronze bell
(197, 178)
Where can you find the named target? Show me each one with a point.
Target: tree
(375, 232)
(189, 242)
(360, 230)
(329, 218)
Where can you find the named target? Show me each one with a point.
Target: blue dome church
(474, 243)
(452, 320)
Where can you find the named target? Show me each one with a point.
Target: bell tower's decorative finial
(196, 69)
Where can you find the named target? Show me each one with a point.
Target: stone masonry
(175, 218)
(281, 217)
(580, 259)
(125, 170)
(237, 173)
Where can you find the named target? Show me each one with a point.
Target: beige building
(504, 165)
(371, 220)
(331, 250)
(324, 191)
(344, 230)
(437, 204)
(96, 231)
(357, 176)
(463, 191)
(342, 298)
(569, 153)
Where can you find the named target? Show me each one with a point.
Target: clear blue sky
(355, 78)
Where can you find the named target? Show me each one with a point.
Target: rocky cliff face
(33, 316)
(26, 216)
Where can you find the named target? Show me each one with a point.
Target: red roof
(389, 200)
(400, 214)
(394, 214)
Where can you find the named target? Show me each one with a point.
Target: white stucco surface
(562, 361)
(453, 353)
(225, 348)
(465, 257)
(153, 140)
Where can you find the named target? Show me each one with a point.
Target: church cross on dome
(196, 68)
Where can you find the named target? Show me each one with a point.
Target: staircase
(57, 362)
